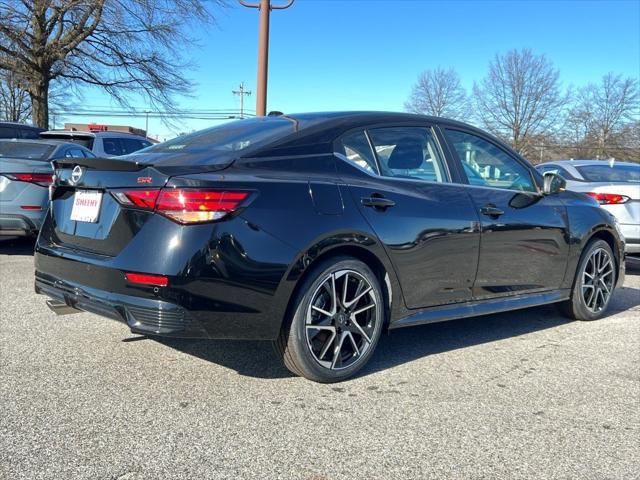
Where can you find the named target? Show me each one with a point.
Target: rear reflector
(608, 198)
(38, 178)
(184, 205)
(146, 279)
(30, 207)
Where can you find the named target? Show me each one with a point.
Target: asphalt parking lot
(518, 395)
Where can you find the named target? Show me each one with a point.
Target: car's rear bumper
(631, 234)
(19, 225)
(142, 315)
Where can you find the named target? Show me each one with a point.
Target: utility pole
(241, 92)
(265, 8)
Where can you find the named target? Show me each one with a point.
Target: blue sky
(366, 55)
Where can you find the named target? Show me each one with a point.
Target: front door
(427, 225)
(525, 239)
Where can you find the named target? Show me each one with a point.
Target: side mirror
(553, 183)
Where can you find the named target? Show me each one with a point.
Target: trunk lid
(115, 225)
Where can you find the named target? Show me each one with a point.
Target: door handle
(377, 201)
(491, 211)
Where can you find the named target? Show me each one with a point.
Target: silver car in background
(102, 144)
(615, 185)
(25, 175)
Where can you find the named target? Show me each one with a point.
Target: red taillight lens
(39, 178)
(185, 205)
(147, 279)
(138, 198)
(196, 206)
(608, 198)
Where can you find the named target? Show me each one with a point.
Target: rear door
(525, 235)
(427, 224)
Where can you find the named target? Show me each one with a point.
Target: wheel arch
(384, 272)
(609, 237)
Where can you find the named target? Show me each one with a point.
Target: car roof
(358, 118)
(85, 134)
(322, 128)
(52, 142)
(21, 125)
(582, 163)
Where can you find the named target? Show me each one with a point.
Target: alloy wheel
(341, 319)
(597, 280)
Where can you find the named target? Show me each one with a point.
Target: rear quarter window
(8, 132)
(25, 151)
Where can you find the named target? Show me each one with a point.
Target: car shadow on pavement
(257, 359)
(17, 245)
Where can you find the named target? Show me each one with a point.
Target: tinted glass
(29, 133)
(607, 173)
(74, 153)
(491, 166)
(408, 152)
(86, 142)
(8, 132)
(355, 147)
(25, 150)
(130, 145)
(112, 146)
(231, 137)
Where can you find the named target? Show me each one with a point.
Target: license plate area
(86, 206)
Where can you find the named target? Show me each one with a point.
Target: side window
(355, 147)
(486, 164)
(74, 153)
(8, 132)
(29, 133)
(112, 146)
(408, 152)
(130, 145)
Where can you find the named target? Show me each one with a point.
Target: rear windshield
(86, 142)
(225, 141)
(25, 150)
(606, 173)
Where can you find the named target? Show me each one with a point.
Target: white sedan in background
(615, 185)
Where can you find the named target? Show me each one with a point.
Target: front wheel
(594, 283)
(336, 323)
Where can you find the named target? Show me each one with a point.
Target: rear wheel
(593, 284)
(336, 322)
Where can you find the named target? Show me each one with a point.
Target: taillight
(608, 198)
(138, 198)
(43, 179)
(185, 205)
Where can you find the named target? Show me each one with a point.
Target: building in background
(100, 127)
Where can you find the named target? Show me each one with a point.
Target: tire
(591, 297)
(321, 321)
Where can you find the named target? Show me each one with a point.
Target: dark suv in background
(19, 130)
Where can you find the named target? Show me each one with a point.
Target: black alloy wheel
(337, 322)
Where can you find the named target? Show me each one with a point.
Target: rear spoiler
(100, 164)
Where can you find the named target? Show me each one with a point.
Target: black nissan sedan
(319, 232)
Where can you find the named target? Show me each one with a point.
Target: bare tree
(520, 98)
(605, 110)
(438, 92)
(15, 105)
(122, 46)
